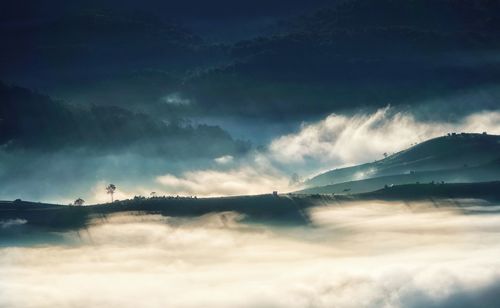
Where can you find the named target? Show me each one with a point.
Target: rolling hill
(456, 157)
(289, 209)
(486, 172)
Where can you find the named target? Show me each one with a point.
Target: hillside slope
(442, 153)
(484, 173)
(279, 210)
(437, 192)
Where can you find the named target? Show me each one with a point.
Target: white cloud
(176, 99)
(354, 256)
(338, 140)
(252, 179)
(342, 140)
(224, 160)
(4, 224)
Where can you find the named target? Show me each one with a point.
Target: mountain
(91, 55)
(282, 209)
(91, 38)
(486, 172)
(102, 129)
(446, 16)
(357, 53)
(436, 193)
(456, 156)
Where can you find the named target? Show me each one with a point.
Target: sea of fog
(369, 254)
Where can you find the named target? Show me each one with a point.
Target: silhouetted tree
(79, 202)
(110, 189)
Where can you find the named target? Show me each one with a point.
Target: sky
(231, 97)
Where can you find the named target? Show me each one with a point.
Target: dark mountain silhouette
(448, 16)
(36, 122)
(94, 37)
(358, 53)
(91, 56)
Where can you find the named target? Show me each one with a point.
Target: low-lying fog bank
(359, 255)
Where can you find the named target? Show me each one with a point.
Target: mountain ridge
(442, 153)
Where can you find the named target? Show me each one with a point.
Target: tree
(79, 202)
(110, 189)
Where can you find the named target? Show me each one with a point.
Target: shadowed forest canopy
(333, 56)
(359, 53)
(33, 121)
